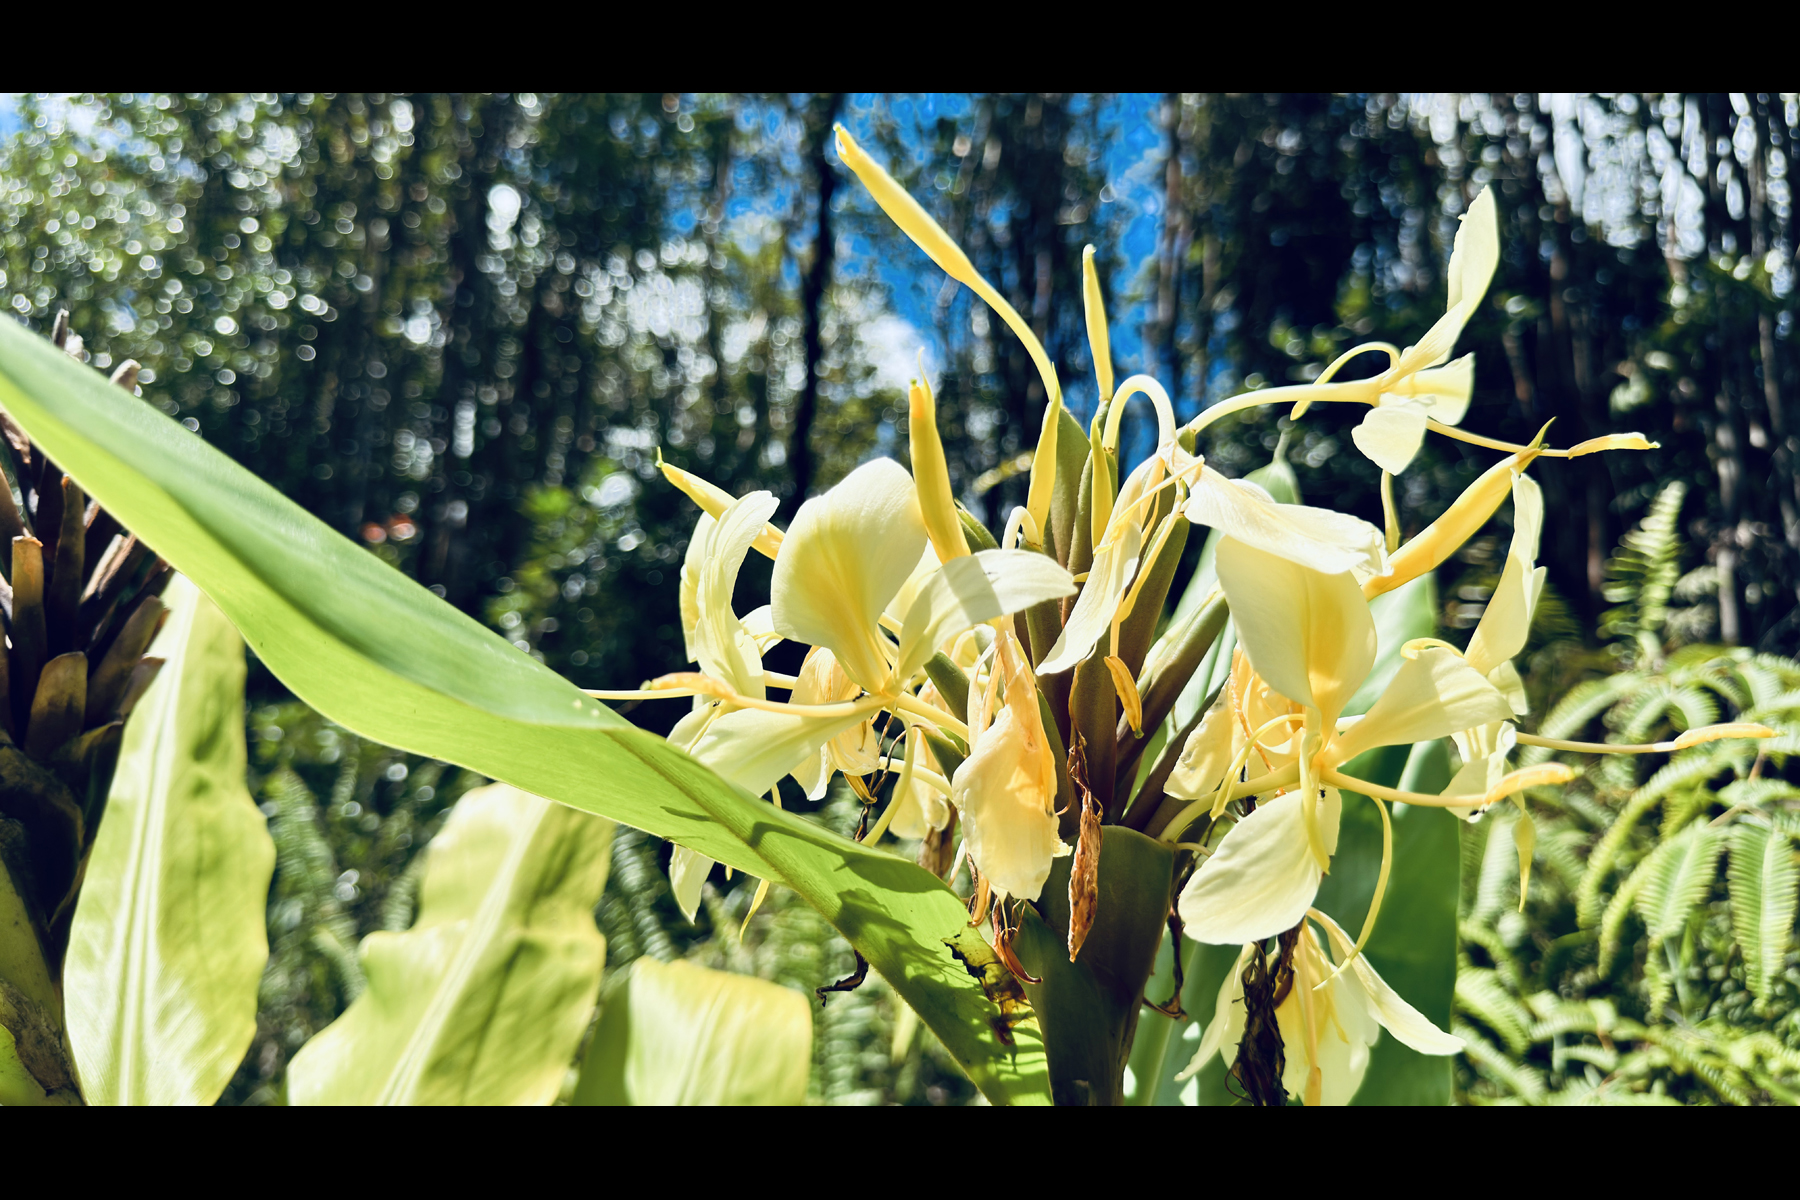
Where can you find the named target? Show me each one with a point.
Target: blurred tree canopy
(461, 328)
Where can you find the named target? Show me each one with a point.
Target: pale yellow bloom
(1417, 387)
(1310, 638)
(1006, 788)
(1326, 1032)
(851, 551)
(856, 751)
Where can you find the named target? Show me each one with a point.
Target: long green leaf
(169, 941)
(682, 1034)
(485, 999)
(1765, 886)
(379, 654)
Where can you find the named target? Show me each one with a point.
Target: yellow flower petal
(1326, 541)
(965, 592)
(714, 500)
(1226, 1029)
(1207, 753)
(1506, 622)
(846, 555)
(754, 749)
(1006, 789)
(1446, 389)
(688, 870)
(1446, 535)
(1391, 433)
(1115, 564)
(724, 652)
(1308, 634)
(1262, 878)
(1399, 1018)
(1472, 262)
(1432, 695)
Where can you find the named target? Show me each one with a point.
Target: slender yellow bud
(1527, 777)
(931, 473)
(1444, 536)
(1126, 686)
(1043, 464)
(715, 500)
(1713, 733)
(906, 212)
(930, 237)
(1100, 503)
(1612, 441)
(1099, 338)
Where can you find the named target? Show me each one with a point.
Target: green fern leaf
(1695, 766)
(1697, 708)
(1526, 1083)
(1679, 874)
(1765, 886)
(1481, 994)
(1642, 575)
(1584, 702)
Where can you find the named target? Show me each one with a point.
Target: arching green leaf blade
(485, 999)
(169, 941)
(683, 1034)
(382, 656)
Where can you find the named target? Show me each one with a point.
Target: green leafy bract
(168, 942)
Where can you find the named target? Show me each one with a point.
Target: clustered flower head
(939, 658)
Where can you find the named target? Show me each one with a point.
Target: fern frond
(1681, 808)
(1642, 575)
(1784, 668)
(1765, 886)
(1752, 793)
(1697, 708)
(1525, 1082)
(1499, 867)
(1640, 711)
(1495, 946)
(1481, 994)
(1612, 921)
(1584, 702)
(1678, 875)
(1690, 1052)
(1694, 766)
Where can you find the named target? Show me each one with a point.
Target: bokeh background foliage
(458, 327)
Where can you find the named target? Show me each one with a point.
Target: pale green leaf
(379, 654)
(485, 999)
(678, 1033)
(169, 942)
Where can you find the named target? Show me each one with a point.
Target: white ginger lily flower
(1326, 1031)
(1498, 637)
(1006, 788)
(850, 551)
(1418, 388)
(1124, 548)
(1310, 638)
(856, 751)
